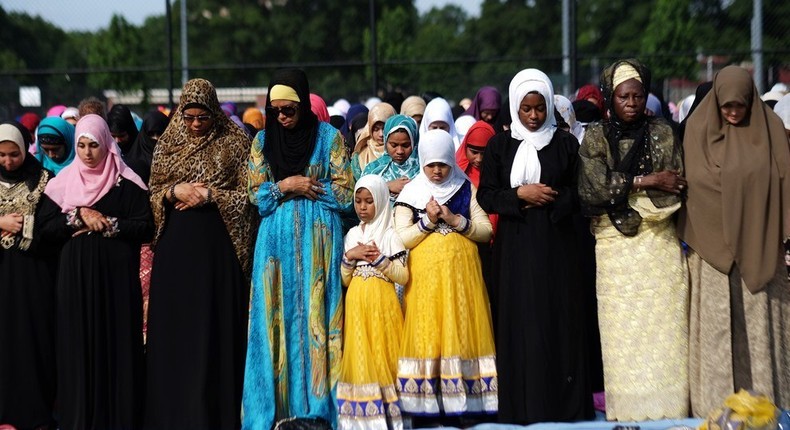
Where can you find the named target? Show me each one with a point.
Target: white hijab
(379, 230)
(436, 146)
(782, 109)
(439, 110)
(526, 165)
(565, 108)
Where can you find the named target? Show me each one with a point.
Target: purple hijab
(487, 98)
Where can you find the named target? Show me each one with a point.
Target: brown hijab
(217, 159)
(738, 197)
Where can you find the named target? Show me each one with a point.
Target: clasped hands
(189, 195)
(304, 186)
(364, 252)
(93, 220)
(435, 211)
(11, 224)
(536, 194)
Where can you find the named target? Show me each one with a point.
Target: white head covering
(9, 133)
(439, 110)
(342, 105)
(463, 124)
(685, 106)
(772, 95)
(70, 112)
(372, 101)
(526, 166)
(782, 109)
(565, 108)
(781, 87)
(379, 229)
(436, 146)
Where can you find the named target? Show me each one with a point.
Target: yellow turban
(283, 92)
(623, 73)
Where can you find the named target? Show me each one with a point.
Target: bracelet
(173, 191)
(276, 192)
(638, 183)
(208, 196)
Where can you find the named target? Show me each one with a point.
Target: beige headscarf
(738, 197)
(218, 159)
(413, 105)
(367, 147)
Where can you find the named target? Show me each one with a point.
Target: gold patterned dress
(642, 280)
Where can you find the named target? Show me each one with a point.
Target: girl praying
(373, 261)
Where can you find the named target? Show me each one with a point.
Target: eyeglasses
(189, 119)
(288, 111)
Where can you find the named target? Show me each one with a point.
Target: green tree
(118, 46)
(670, 30)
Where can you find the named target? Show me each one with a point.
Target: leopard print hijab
(217, 159)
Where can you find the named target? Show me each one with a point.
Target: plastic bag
(743, 411)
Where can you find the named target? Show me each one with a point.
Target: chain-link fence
(128, 60)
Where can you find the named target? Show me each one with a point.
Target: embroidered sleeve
(410, 233)
(463, 226)
(28, 223)
(113, 229)
(73, 219)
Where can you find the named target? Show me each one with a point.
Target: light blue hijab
(55, 125)
(385, 166)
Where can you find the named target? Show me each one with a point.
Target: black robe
(197, 325)
(27, 327)
(100, 316)
(541, 349)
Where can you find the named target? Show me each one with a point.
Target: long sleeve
(137, 223)
(396, 271)
(411, 234)
(261, 189)
(495, 194)
(347, 270)
(600, 187)
(339, 186)
(479, 227)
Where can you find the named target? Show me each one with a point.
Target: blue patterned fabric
(296, 316)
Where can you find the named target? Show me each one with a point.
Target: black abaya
(27, 330)
(541, 348)
(197, 325)
(99, 314)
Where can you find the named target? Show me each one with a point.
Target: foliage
(240, 42)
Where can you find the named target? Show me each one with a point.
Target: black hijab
(120, 120)
(30, 170)
(289, 151)
(702, 90)
(142, 150)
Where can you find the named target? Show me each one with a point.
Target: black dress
(197, 325)
(541, 348)
(27, 318)
(99, 314)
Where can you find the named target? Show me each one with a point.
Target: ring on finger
(315, 187)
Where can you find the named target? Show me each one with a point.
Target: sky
(91, 15)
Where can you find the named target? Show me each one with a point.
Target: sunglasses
(288, 111)
(189, 119)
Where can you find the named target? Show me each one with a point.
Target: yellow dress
(447, 358)
(366, 394)
(643, 303)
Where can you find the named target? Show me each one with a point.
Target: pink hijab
(318, 106)
(78, 185)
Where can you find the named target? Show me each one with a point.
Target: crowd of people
(517, 258)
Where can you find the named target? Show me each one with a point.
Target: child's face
(364, 205)
(437, 172)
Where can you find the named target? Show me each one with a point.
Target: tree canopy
(239, 43)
